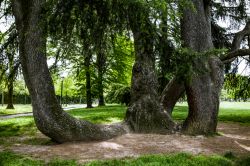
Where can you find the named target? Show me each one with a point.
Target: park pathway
(69, 107)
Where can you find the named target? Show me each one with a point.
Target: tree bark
(171, 94)
(203, 90)
(88, 80)
(145, 113)
(49, 117)
(11, 78)
(10, 95)
(101, 62)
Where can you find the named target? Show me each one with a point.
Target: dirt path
(234, 138)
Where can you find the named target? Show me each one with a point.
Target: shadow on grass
(17, 126)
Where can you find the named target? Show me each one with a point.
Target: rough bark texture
(172, 92)
(88, 80)
(49, 117)
(145, 113)
(204, 88)
(101, 62)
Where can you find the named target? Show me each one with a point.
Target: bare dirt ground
(233, 138)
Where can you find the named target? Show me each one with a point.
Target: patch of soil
(234, 138)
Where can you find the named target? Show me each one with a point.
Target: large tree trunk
(171, 94)
(10, 95)
(49, 117)
(203, 88)
(101, 62)
(145, 113)
(88, 80)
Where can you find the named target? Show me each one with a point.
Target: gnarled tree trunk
(203, 90)
(49, 117)
(145, 113)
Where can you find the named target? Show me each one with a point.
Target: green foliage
(188, 62)
(237, 86)
(119, 94)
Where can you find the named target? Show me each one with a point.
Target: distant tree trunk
(88, 80)
(2, 98)
(11, 77)
(101, 63)
(203, 88)
(171, 94)
(49, 117)
(10, 95)
(145, 113)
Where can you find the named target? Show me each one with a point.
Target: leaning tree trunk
(171, 94)
(101, 62)
(88, 80)
(145, 113)
(203, 90)
(49, 117)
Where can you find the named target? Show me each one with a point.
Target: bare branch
(239, 36)
(232, 55)
(235, 50)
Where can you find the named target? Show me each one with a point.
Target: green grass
(17, 126)
(19, 108)
(11, 159)
(8, 158)
(24, 126)
(107, 114)
(229, 112)
(238, 112)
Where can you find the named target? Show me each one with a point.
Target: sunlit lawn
(19, 108)
(229, 112)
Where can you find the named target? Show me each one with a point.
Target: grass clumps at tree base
(8, 158)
